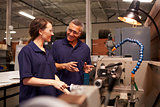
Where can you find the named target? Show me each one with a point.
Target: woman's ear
(40, 31)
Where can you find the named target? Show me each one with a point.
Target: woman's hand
(61, 86)
(65, 91)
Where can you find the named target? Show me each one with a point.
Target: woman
(37, 69)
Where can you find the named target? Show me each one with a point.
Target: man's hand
(87, 68)
(71, 66)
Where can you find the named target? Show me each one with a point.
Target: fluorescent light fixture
(10, 38)
(26, 14)
(147, 1)
(12, 32)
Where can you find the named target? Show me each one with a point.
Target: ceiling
(61, 12)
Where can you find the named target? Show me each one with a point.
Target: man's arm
(87, 68)
(87, 64)
(60, 66)
(70, 66)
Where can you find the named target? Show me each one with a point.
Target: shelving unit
(3, 60)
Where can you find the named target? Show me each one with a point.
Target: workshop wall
(155, 38)
(98, 47)
(24, 35)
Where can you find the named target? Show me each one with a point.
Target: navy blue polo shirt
(33, 62)
(63, 52)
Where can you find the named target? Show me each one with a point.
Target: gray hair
(78, 23)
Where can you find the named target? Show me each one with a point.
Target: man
(72, 56)
(110, 44)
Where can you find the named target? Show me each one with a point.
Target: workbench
(8, 81)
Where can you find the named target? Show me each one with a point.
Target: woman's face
(47, 32)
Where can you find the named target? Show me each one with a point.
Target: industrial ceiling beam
(63, 11)
(99, 3)
(43, 12)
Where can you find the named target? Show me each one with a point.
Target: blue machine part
(140, 52)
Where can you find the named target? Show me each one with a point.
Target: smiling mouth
(71, 36)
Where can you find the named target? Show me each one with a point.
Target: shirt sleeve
(53, 52)
(88, 57)
(24, 64)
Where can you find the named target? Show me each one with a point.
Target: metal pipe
(8, 22)
(152, 21)
(88, 23)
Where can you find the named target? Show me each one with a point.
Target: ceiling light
(12, 32)
(10, 38)
(26, 14)
(132, 15)
(131, 18)
(147, 1)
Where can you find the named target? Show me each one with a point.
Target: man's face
(73, 32)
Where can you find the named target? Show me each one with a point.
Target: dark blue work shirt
(63, 52)
(33, 62)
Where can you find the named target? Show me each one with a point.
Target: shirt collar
(35, 47)
(65, 41)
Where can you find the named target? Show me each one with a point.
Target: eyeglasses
(51, 30)
(74, 32)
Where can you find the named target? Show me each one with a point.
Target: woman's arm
(33, 81)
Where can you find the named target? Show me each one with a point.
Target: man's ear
(80, 34)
